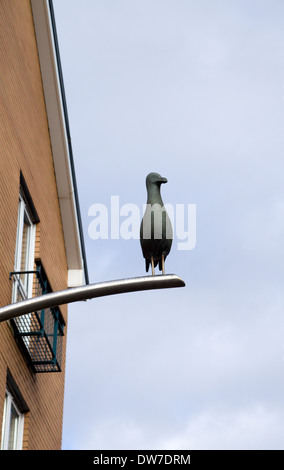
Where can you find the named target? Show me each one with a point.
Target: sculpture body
(156, 232)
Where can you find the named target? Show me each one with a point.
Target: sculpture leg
(163, 263)
(152, 264)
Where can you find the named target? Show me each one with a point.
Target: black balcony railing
(40, 334)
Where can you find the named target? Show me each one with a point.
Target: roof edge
(57, 115)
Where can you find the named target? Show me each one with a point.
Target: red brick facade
(25, 148)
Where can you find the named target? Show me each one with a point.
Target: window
(12, 426)
(25, 245)
(24, 256)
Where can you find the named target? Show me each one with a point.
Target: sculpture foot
(152, 264)
(163, 263)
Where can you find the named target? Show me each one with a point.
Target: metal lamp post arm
(89, 291)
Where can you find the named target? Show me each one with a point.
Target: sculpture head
(155, 178)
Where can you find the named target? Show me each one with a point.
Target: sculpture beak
(163, 180)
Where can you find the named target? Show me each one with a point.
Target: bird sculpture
(156, 234)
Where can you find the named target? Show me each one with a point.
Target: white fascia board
(59, 140)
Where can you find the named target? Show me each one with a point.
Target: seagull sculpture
(156, 234)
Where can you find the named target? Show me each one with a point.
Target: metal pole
(89, 291)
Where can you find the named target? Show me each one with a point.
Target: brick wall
(25, 147)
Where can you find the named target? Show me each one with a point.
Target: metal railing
(40, 333)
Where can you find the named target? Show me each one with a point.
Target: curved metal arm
(90, 291)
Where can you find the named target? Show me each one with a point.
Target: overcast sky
(193, 90)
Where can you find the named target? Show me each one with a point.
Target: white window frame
(19, 432)
(26, 286)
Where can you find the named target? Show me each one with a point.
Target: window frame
(24, 284)
(9, 405)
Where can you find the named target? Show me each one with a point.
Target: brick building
(41, 242)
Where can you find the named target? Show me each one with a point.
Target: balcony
(39, 334)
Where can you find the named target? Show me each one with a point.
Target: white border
(59, 142)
